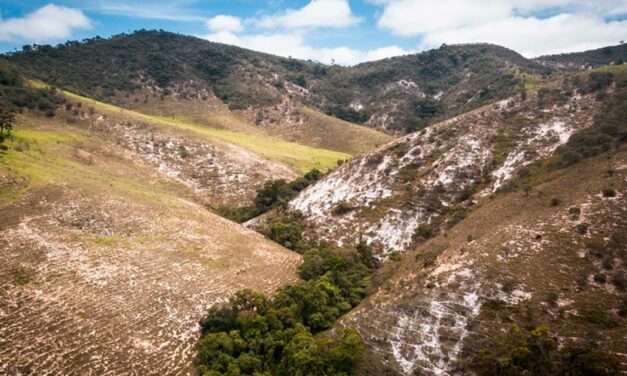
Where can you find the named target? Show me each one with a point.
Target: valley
(451, 212)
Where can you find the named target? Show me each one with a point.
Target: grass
(46, 157)
(299, 157)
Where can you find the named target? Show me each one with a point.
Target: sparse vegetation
(520, 352)
(274, 194)
(608, 131)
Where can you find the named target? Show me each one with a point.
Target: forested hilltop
(396, 95)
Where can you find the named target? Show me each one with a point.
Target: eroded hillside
(516, 259)
(418, 184)
(109, 260)
(500, 222)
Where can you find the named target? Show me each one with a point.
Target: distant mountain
(396, 95)
(587, 59)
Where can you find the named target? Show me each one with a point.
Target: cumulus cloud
(317, 13)
(290, 28)
(517, 24)
(225, 23)
(47, 23)
(413, 17)
(293, 44)
(533, 37)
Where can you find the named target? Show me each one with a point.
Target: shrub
(287, 230)
(608, 192)
(516, 352)
(600, 278)
(535, 352)
(395, 256)
(599, 80)
(607, 131)
(423, 232)
(596, 316)
(509, 286)
(274, 193)
(619, 280)
(555, 202)
(552, 298)
(466, 193)
(342, 208)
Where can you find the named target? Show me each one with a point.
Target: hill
(587, 59)
(426, 178)
(395, 95)
(108, 264)
(507, 218)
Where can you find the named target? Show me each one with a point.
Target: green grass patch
(301, 158)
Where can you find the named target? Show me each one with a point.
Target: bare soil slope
(107, 265)
(516, 259)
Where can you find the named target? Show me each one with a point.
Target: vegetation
(609, 129)
(15, 97)
(243, 79)
(301, 158)
(7, 117)
(254, 334)
(593, 58)
(535, 352)
(274, 193)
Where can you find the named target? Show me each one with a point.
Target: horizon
(87, 40)
(329, 31)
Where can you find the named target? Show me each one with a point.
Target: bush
(600, 278)
(516, 352)
(423, 232)
(599, 80)
(273, 194)
(287, 230)
(607, 131)
(342, 208)
(588, 360)
(619, 280)
(608, 192)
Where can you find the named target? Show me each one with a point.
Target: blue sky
(341, 31)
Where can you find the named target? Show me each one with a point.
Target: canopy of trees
(254, 334)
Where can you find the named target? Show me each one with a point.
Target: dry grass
(107, 266)
(301, 158)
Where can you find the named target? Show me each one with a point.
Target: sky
(343, 32)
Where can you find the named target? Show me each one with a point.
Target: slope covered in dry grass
(108, 264)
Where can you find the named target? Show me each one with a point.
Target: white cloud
(413, 17)
(317, 13)
(577, 25)
(225, 23)
(533, 37)
(294, 45)
(47, 23)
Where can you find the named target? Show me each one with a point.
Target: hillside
(84, 219)
(483, 207)
(587, 59)
(514, 260)
(457, 211)
(222, 166)
(394, 95)
(425, 179)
